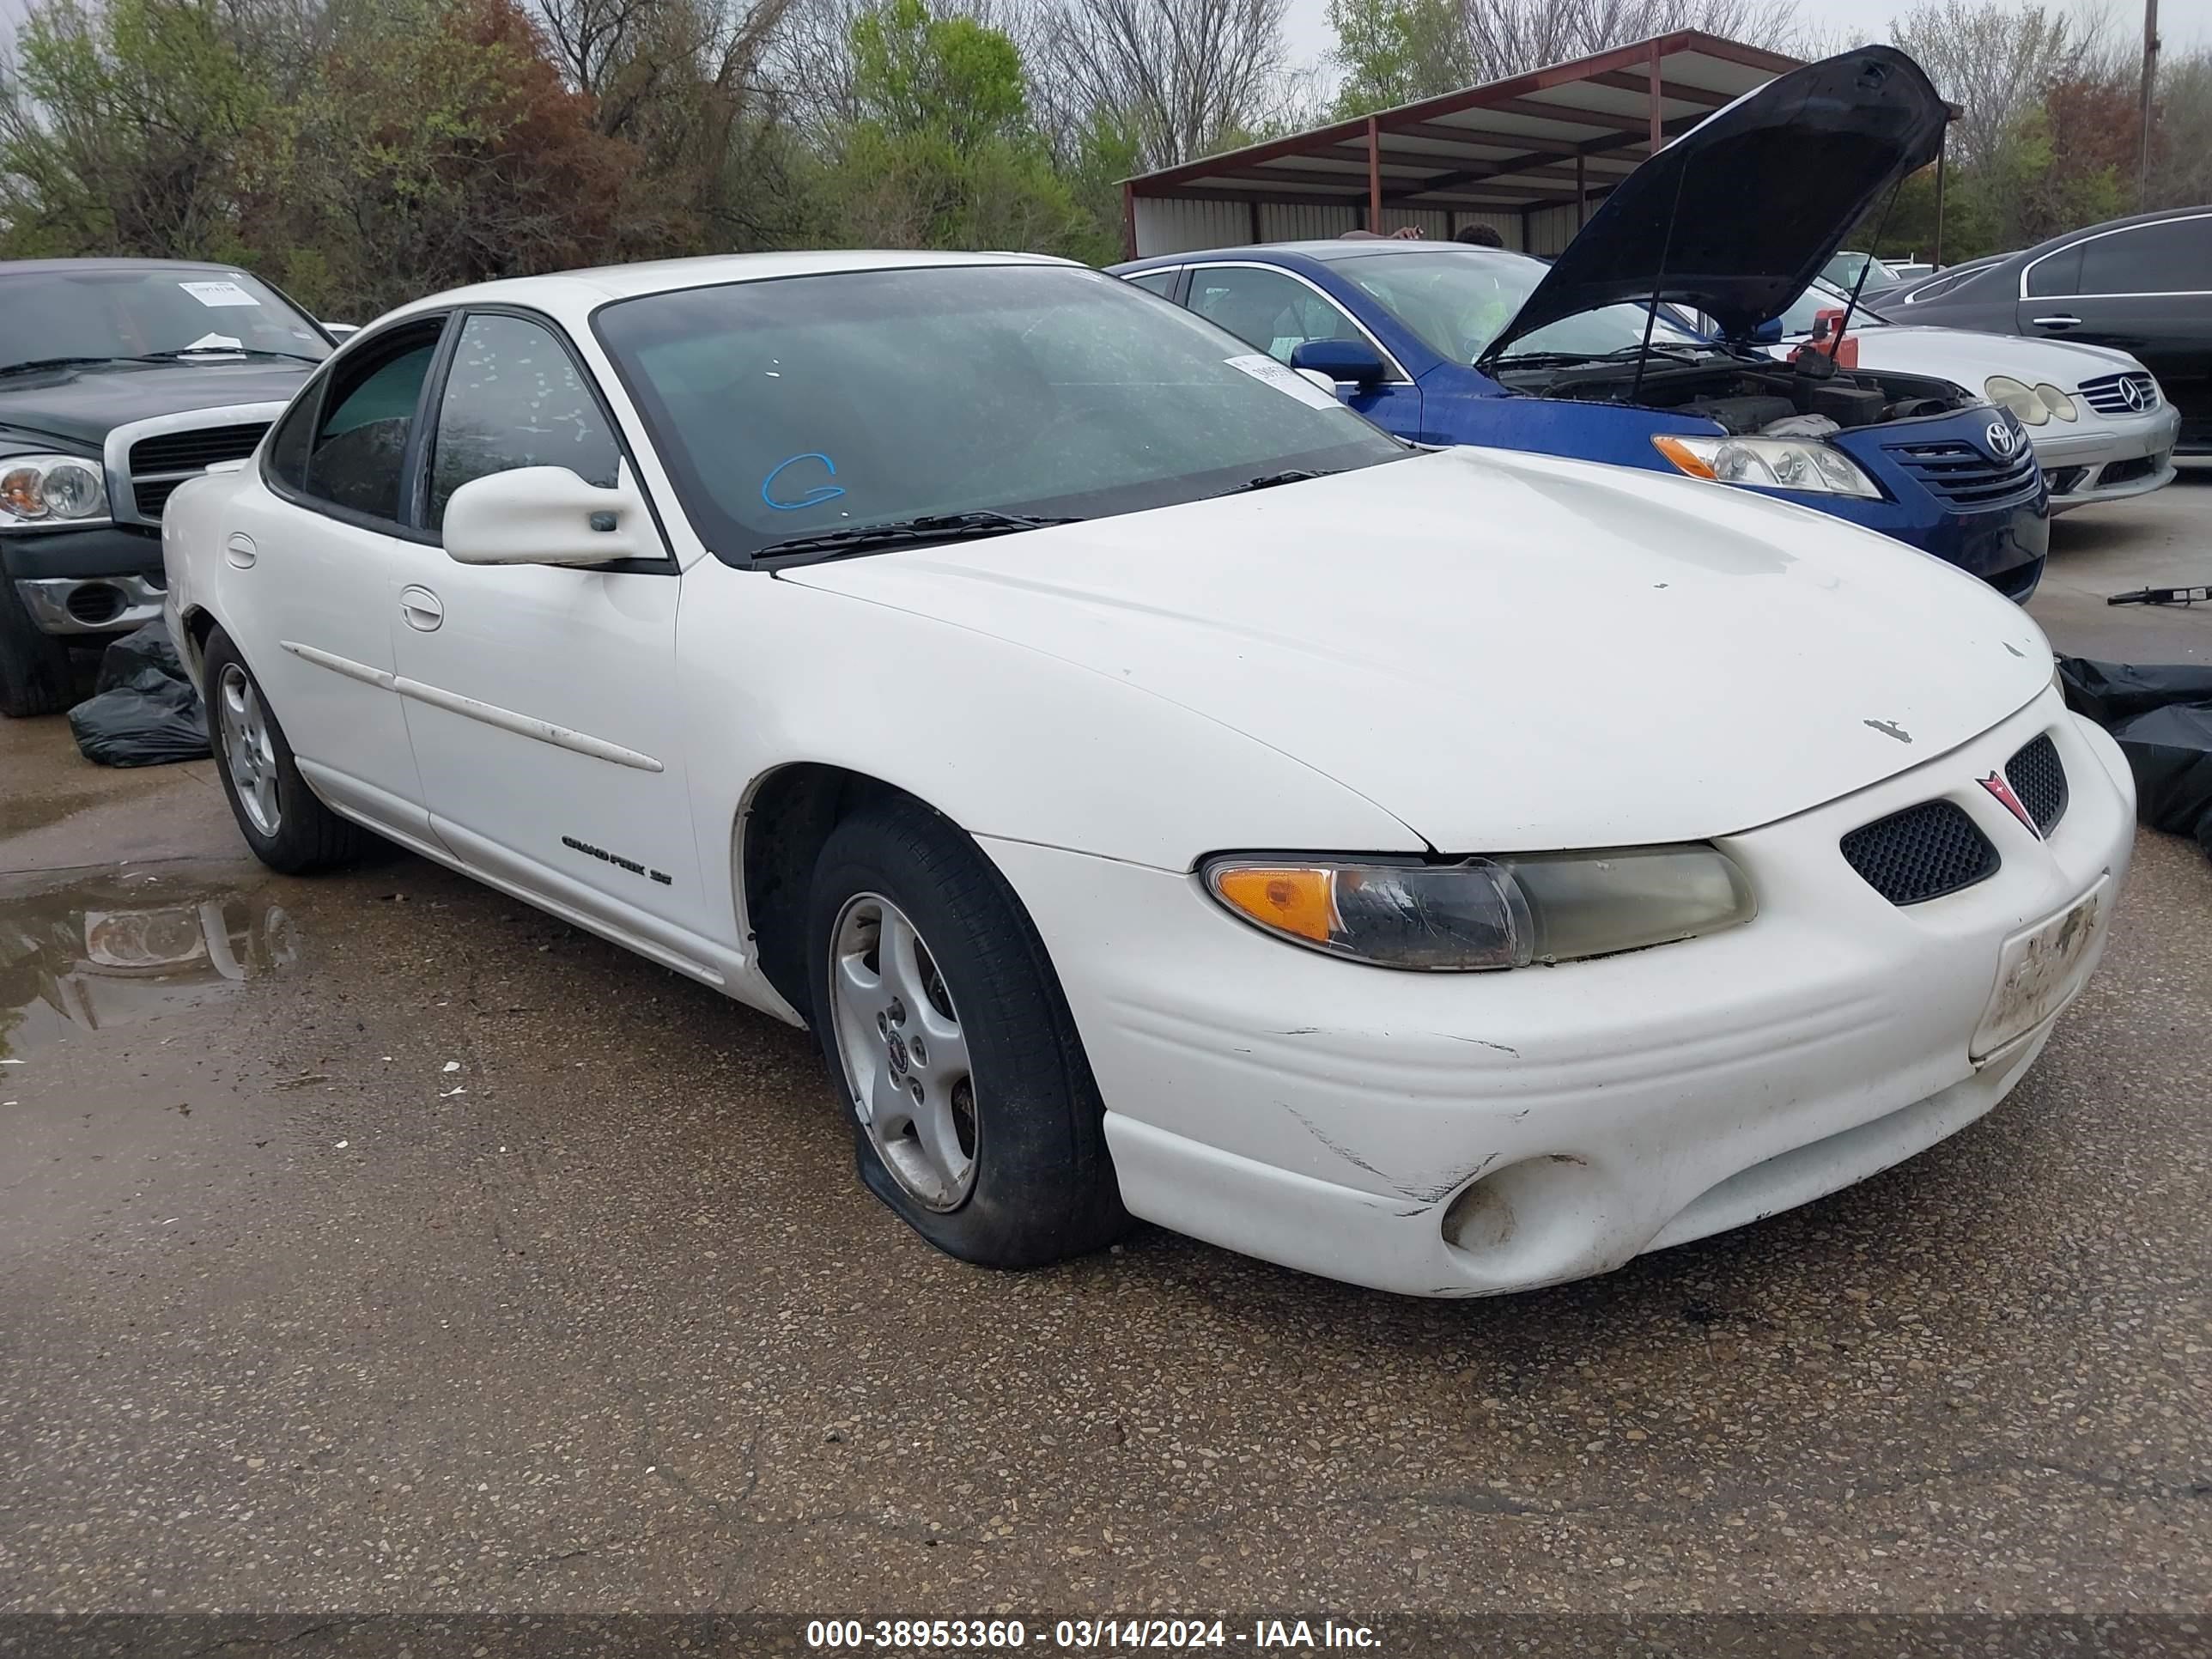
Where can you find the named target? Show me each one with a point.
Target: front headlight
(1486, 912)
(2057, 401)
(2017, 396)
(51, 491)
(1803, 464)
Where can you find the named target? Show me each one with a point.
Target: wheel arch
(781, 823)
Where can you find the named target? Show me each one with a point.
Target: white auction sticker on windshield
(1287, 380)
(218, 294)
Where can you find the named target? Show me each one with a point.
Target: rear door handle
(2055, 322)
(421, 608)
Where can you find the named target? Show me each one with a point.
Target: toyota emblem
(2131, 394)
(2002, 440)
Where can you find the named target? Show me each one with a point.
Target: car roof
(47, 267)
(593, 286)
(2159, 216)
(1329, 251)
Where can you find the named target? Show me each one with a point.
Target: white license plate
(2040, 970)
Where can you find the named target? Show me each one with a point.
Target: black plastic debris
(2161, 714)
(142, 712)
(2110, 691)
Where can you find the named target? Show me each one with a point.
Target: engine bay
(1745, 396)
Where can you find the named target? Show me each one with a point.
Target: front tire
(36, 674)
(288, 828)
(974, 1112)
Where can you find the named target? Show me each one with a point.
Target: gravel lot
(454, 1259)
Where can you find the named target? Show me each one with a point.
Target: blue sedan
(1401, 326)
(1452, 344)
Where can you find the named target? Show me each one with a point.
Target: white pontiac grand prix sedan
(1166, 795)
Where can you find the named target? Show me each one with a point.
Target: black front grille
(188, 452)
(2038, 776)
(1920, 853)
(2107, 394)
(2127, 472)
(1961, 473)
(158, 464)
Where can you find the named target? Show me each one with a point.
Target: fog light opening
(95, 603)
(1528, 1212)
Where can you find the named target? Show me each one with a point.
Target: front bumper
(1340, 1119)
(68, 606)
(103, 579)
(2116, 458)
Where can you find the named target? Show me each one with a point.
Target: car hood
(80, 406)
(1809, 152)
(1969, 358)
(1511, 652)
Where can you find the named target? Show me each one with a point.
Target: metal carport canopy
(1504, 152)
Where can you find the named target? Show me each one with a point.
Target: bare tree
(1186, 77)
(1509, 37)
(1996, 60)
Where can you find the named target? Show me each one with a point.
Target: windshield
(135, 311)
(1459, 300)
(805, 405)
(1820, 297)
(1843, 270)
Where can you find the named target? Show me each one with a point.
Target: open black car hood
(1738, 216)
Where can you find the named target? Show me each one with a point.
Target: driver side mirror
(548, 515)
(1352, 361)
(1768, 332)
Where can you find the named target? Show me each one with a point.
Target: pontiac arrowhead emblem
(1996, 784)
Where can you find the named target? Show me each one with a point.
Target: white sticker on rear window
(1288, 382)
(219, 293)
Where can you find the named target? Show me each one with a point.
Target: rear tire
(36, 675)
(288, 828)
(1020, 1176)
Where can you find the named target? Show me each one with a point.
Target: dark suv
(119, 379)
(2143, 284)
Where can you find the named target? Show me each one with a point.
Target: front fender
(1007, 741)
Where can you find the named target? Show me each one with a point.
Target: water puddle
(116, 949)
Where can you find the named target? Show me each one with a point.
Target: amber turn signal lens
(19, 493)
(1684, 457)
(1300, 902)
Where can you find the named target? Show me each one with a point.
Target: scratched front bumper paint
(1328, 1115)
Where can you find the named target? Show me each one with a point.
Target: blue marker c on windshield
(813, 497)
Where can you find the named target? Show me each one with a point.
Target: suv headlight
(1486, 912)
(1803, 464)
(51, 491)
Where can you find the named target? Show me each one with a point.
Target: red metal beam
(1657, 120)
(1374, 175)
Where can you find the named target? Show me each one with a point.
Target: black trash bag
(2170, 751)
(144, 711)
(2109, 692)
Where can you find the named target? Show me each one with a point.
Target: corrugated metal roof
(1549, 138)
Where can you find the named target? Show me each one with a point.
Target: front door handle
(2055, 322)
(421, 608)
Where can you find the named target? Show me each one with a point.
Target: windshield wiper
(183, 352)
(908, 532)
(1681, 349)
(1269, 481)
(53, 362)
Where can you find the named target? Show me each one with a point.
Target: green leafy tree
(1393, 51)
(123, 130)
